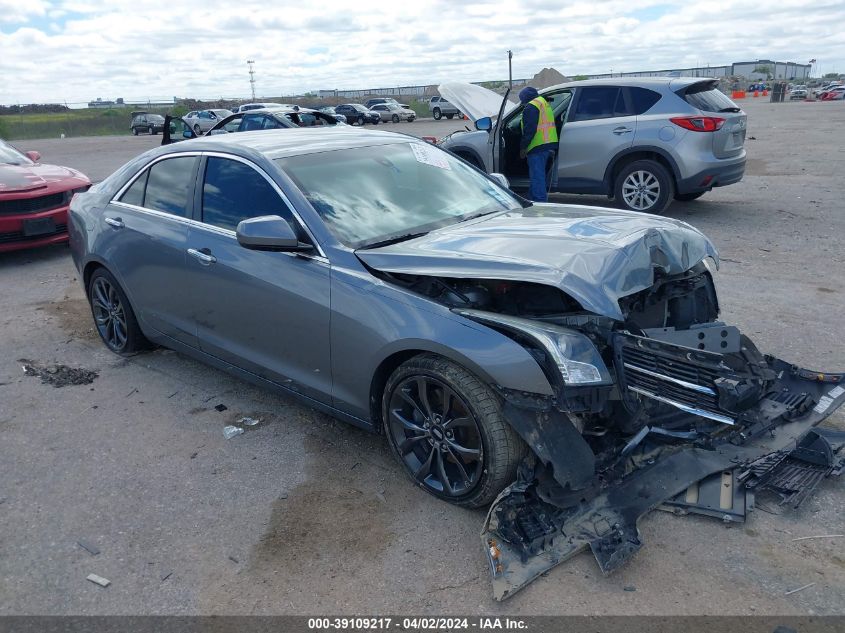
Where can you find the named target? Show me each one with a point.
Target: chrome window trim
(321, 255)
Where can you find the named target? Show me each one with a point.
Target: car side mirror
(501, 179)
(269, 233)
(484, 123)
(33, 156)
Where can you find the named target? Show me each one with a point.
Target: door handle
(622, 130)
(115, 222)
(205, 258)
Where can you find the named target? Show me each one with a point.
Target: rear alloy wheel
(437, 114)
(446, 429)
(644, 186)
(687, 197)
(360, 120)
(395, 118)
(113, 316)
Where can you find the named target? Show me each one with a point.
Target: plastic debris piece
(806, 538)
(98, 580)
(789, 593)
(249, 421)
(231, 431)
(88, 547)
(220, 407)
(166, 576)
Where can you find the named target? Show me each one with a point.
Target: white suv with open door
(640, 141)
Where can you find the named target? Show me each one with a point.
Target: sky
(77, 50)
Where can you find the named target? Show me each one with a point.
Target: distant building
(777, 70)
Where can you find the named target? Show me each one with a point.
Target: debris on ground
(807, 538)
(231, 431)
(249, 421)
(166, 575)
(807, 586)
(98, 580)
(234, 560)
(88, 547)
(58, 375)
(220, 407)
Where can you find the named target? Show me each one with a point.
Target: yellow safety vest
(546, 130)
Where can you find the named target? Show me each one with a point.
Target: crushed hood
(474, 101)
(19, 178)
(593, 254)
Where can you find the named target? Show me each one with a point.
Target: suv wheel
(395, 118)
(446, 429)
(360, 120)
(135, 131)
(437, 114)
(645, 186)
(686, 197)
(449, 116)
(197, 129)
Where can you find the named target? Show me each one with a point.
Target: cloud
(73, 50)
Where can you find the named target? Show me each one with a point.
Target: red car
(34, 199)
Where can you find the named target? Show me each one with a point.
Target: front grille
(34, 205)
(8, 238)
(678, 376)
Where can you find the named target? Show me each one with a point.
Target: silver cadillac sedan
(565, 363)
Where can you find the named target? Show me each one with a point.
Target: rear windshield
(705, 96)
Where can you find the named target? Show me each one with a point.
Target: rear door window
(642, 99)
(169, 185)
(706, 97)
(599, 102)
(234, 191)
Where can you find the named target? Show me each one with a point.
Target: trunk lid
(729, 140)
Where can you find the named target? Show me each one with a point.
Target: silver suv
(640, 141)
(439, 107)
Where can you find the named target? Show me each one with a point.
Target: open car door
(176, 129)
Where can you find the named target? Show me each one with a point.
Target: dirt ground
(303, 514)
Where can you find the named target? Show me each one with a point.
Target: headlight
(575, 356)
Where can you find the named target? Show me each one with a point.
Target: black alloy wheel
(446, 428)
(113, 316)
(436, 435)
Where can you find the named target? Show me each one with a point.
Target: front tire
(360, 120)
(437, 114)
(114, 318)
(644, 186)
(197, 129)
(135, 131)
(395, 118)
(446, 429)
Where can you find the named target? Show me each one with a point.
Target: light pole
(510, 70)
(250, 63)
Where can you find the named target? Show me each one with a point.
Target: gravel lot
(306, 515)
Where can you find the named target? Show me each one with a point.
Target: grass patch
(85, 122)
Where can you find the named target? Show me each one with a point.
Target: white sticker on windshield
(429, 155)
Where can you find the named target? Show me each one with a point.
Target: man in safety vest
(539, 140)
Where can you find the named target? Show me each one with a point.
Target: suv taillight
(699, 123)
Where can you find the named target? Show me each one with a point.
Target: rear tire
(437, 114)
(455, 431)
(644, 186)
(114, 318)
(687, 197)
(395, 118)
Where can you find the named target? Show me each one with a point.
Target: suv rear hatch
(729, 139)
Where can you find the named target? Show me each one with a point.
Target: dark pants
(538, 159)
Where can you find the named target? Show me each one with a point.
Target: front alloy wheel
(446, 429)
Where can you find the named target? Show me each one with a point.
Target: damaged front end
(664, 412)
(656, 404)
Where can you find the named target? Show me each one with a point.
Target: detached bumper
(745, 428)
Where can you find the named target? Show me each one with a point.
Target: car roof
(676, 82)
(291, 141)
